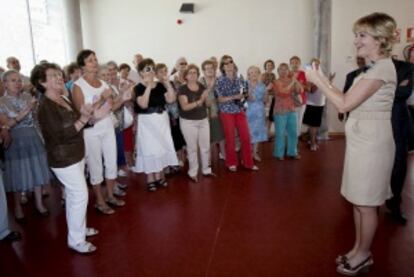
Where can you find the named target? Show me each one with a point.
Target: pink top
(283, 98)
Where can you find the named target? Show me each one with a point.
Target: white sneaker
(314, 147)
(83, 247)
(122, 173)
(90, 232)
(221, 156)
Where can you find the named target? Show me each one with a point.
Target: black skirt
(272, 105)
(313, 116)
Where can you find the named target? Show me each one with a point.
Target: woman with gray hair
(26, 166)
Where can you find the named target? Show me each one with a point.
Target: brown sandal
(115, 202)
(104, 210)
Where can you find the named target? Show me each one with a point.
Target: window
(32, 30)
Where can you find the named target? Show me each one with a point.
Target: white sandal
(91, 232)
(84, 247)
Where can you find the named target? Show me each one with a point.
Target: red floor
(288, 219)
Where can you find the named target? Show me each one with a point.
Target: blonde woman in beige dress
(369, 140)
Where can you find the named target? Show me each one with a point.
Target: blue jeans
(120, 147)
(285, 128)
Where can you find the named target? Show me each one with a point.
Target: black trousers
(411, 128)
(401, 130)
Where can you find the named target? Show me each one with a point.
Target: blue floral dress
(256, 114)
(25, 159)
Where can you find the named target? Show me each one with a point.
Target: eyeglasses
(228, 62)
(148, 69)
(183, 63)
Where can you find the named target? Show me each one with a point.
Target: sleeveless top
(91, 95)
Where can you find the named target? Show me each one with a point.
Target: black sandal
(152, 186)
(162, 182)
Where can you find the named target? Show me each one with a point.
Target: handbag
(128, 118)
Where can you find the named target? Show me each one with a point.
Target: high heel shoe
(341, 259)
(362, 267)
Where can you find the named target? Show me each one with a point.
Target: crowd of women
(112, 121)
(101, 116)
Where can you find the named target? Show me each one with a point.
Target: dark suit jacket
(350, 78)
(404, 72)
(400, 116)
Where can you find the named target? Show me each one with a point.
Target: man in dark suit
(350, 79)
(400, 120)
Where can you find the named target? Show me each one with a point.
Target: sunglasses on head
(148, 69)
(228, 62)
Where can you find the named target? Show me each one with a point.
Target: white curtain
(322, 47)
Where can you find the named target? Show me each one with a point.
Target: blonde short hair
(253, 67)
(381, 26)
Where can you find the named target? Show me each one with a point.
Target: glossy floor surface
(287, 219)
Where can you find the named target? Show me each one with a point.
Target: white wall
(250, 31)
(344, 14)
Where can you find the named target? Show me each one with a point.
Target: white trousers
(197, 135)
(300, 111)
(76, 191)
(100, 145)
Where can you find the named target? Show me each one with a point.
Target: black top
(156, 103)
(197, 113)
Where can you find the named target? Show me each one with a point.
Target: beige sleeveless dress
(370, 148)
